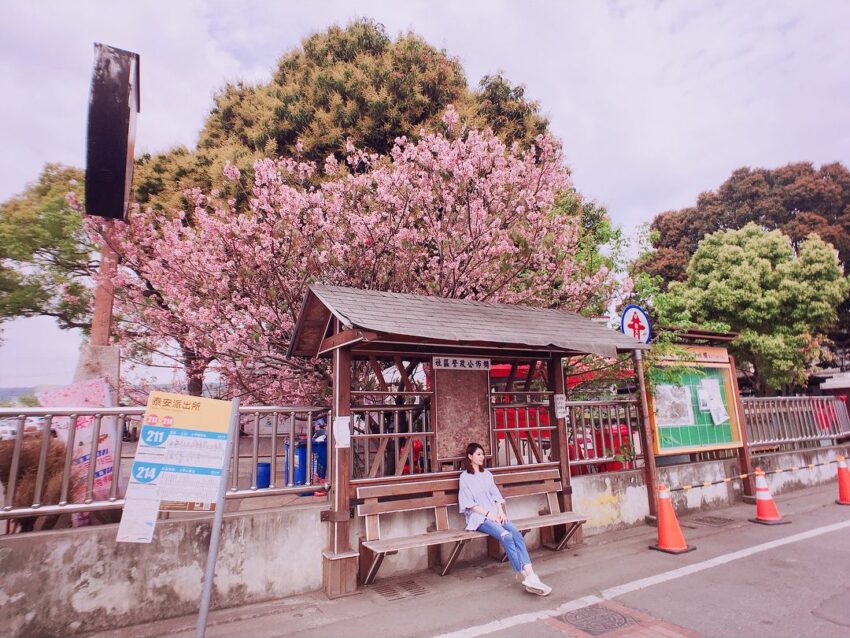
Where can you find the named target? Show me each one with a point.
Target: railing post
(555, 384)
(555, 381)
(339, 562)
(646, 440)
(745, 463)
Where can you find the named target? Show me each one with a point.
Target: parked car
(33, 426)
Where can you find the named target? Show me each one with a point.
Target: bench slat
(405, 505)
(547, 520)
(420, 540)
(413, 487)
(526, 476)
(452, 536)
(533, 488)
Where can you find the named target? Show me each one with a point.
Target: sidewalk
(485, 599)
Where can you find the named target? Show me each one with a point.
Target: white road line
(642, 583)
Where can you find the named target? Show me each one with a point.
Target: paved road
(743, 580)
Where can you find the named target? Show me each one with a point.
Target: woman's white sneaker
(534, 585)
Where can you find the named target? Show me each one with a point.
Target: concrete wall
(618, 500)
(67, 582)
(790, 481)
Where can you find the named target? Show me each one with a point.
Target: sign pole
(647, 441)
(215, 536)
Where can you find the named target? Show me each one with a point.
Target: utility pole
(114, 102)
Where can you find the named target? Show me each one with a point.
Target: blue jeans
(511, 540)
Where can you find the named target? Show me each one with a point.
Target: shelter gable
(454, 321)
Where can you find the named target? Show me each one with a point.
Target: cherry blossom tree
(454, 215)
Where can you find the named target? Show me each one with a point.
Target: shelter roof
(370, 318)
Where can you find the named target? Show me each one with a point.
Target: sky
(654, 102)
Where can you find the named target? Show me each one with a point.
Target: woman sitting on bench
(480, 500)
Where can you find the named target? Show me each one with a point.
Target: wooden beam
(339, 568)
(408, 385)
(379, 373)
(532, 368)
(647, 439)
(405, 450)
(509, 437)
(378, 458)
(510, 381)
(745, 462)
(346, 338)
(535, 450)
(559, 434)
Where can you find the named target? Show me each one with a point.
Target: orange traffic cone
(670, 537)
(766, 512)
(843, 482)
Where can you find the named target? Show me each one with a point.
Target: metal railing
(794, 423)
(603, 435)
(37, 467)
(391, 440)
(522, 432)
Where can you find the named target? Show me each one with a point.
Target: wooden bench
(439, 495)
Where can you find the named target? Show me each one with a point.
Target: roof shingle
(462, 320)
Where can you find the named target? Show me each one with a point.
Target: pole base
(687, 549)
(767, 522)
(837, 502)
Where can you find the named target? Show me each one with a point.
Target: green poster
(695, 413)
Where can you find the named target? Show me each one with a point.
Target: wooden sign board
(461, 407)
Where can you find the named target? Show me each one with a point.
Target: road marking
(642, 583)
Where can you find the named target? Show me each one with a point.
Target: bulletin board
(461, 410)
(699, 412)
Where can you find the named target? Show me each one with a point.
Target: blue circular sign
(635, 322)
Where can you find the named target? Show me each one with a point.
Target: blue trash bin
(264, 473)
(300, 470)
(320, 458)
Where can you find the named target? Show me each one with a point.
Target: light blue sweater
(478, 489)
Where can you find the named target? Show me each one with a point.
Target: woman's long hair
(467, 462)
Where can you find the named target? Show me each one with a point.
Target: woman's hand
(501, 517)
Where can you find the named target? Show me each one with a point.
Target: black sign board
(113, 105)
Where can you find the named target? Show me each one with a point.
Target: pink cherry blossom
(461, 216)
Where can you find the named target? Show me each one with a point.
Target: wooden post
(339, 561)
(104, 294)
(559, 452)
(745, 462)
(647, 441)
(97, 359)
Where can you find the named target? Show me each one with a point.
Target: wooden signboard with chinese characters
(699, 411)
(461, 405)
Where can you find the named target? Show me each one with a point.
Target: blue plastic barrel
(264, 471)
(320, 458)
(300, 473)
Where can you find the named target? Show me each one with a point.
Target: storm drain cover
(400, 590)
(713, 521)
(597, 620)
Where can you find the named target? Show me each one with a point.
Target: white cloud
(655, 102)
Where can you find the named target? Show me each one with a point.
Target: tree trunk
(195, 367)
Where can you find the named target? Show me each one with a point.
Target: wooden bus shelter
(366, 333)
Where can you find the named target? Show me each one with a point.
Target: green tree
(780, 300)
(354, 83)
(45, 255)
(600, 247)
(796, 199)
